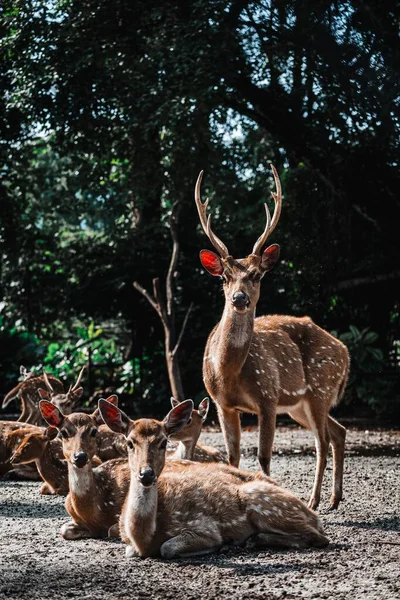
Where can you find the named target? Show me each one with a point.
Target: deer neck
(140, 517)
(232, 339)
(50, 467)
(81, 482)
(185, 450)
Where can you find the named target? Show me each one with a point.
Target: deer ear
(178, 417)
(211, 262)
(44, 394)
(270, 257)
(51, 432)
(203, 408)
(116, 420)
(78, 392)
(174, 402)
(112, 399)
(51, 414)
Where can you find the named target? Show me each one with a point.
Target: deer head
(241, 277)
(78, 431)
(65, 402)
(192, 429)
(146, 439)
(25, 374)
(33, 445)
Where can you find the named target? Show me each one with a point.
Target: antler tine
(79, 379)
(206, 221)
(270, 226)
(47, 382)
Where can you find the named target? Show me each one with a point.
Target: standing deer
(181, 508)
(273, 364)
(188, 446)
(96, 494)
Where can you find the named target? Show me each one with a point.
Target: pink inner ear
(270, 257)
(211, 262)
(111, 414)
(50, 413)
(113, 400)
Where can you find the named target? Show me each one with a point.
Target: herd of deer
(123, 480)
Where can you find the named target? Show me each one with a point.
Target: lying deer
(95, 495)
(11, 435)
(273, 364)
(40, 447)
(188, 447)
(181, 508)
(27, 393)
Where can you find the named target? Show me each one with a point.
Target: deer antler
(72, 389)
(47, 382)
(270, 226)
(206, 221)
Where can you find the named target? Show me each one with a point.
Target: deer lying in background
(273, 364)
(27, 393)
(11, 435)
(181, 508)
(95, 495)
(41, 447)
(188, 447)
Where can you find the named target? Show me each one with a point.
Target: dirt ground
(361, 562)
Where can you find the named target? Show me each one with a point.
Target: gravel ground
(362, 562)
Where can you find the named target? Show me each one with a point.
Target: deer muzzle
(240, 300)
(146, 476)
(80, 459)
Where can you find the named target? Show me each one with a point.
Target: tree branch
(178, 343)
(173, 222)
(148, 297)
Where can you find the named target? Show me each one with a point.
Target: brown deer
(27, 392)
(181, 508)
(40, 447)
(66, 402)
(272, 364)
(11, 435)
(95, 495)
(188, 447)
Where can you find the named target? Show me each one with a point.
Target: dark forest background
(110, 108)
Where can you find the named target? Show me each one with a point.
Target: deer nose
(80, 459)
(146, 476)
(240, 300)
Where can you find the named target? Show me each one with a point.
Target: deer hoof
(131, 552)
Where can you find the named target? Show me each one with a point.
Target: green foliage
(109, 110)
(371, 382)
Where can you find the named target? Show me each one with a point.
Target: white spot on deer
(257, 371)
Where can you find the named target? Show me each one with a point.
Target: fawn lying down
(183, 508)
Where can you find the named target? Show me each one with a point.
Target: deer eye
(93, 433)
(163, 444)
(64, 434)
(129, 444)
(190, 420)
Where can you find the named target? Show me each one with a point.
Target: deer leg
(276, 540)
(266, 433)
(230, 425)
(46, 489)
(190, 543)
(317, 420)
(72, 531)
(338, 437)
